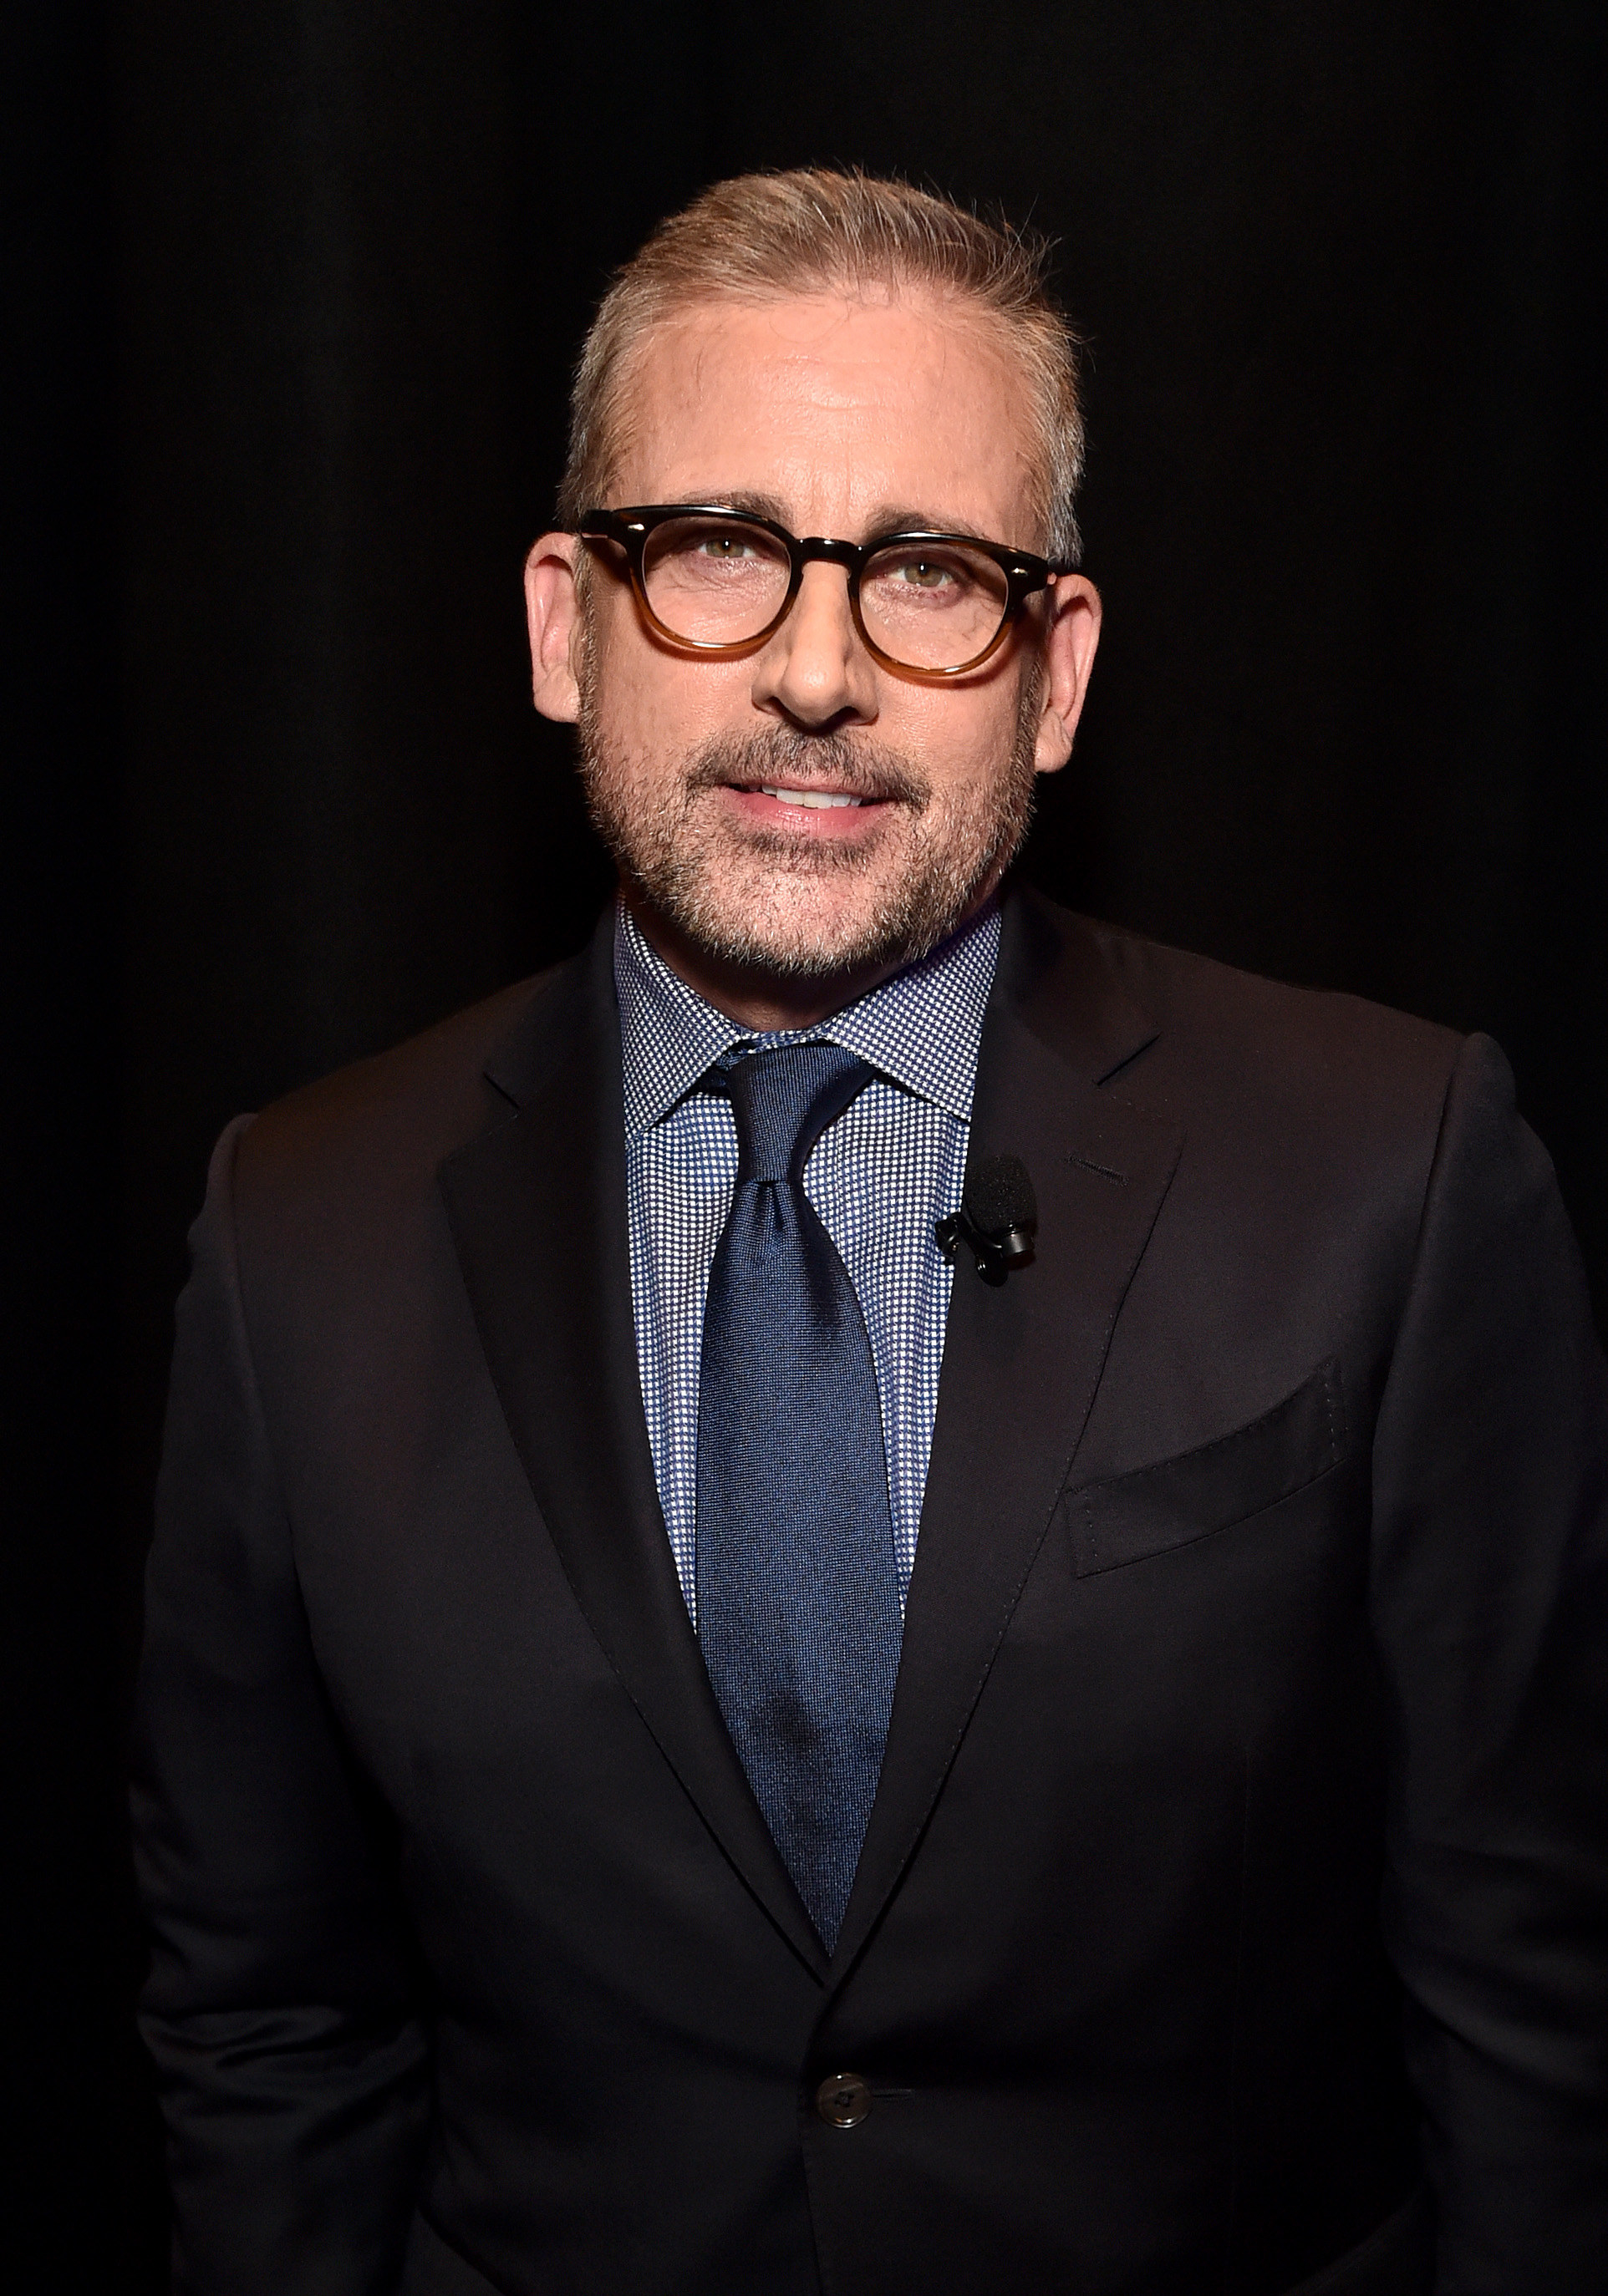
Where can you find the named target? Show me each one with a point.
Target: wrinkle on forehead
(822, 346)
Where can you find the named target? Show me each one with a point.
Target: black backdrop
(296, 288)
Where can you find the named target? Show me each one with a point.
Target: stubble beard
(771, 901)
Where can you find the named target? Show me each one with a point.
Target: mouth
(809, 797)
(812, 811)
(788, 795)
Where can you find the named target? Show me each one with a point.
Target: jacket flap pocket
(1128, 1517)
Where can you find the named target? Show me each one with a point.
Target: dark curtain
(296, 289)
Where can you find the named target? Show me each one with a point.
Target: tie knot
(783, 1101)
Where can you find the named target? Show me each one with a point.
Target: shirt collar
(922, 1028)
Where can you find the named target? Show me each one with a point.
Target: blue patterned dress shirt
(880, 1178)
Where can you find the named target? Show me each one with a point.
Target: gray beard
(742, 900)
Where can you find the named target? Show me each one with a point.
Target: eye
(923, 573)
(726, 546)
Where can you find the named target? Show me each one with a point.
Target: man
(648, 1786)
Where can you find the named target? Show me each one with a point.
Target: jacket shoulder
(1222, 1028)
(393, 1118)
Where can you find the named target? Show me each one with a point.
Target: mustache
(786, 758)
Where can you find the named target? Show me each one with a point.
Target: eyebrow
(887, 519)
(743, 499)
(899, 518)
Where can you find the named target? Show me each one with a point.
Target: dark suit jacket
(1239, 1854)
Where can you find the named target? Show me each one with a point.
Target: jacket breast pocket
(1128, 1517)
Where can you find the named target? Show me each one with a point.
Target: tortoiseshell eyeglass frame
(630, 529)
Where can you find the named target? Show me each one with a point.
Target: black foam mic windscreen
(999, 1196)
(997, 1221)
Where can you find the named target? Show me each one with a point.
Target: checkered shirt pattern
(880, 1178)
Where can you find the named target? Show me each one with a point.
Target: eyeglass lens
(720, 581)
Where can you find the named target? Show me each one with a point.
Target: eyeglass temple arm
(602, 526)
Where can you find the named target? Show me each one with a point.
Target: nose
(815, 671)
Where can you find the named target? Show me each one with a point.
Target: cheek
(963, 737)
(649, 707)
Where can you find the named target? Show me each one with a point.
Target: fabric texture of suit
(1233, 1910)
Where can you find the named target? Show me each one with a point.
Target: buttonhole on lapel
(1105, 1170)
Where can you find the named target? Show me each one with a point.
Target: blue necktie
(798, 1597)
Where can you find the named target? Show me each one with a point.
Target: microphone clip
(997, 1220)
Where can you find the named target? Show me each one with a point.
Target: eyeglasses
(718, 582)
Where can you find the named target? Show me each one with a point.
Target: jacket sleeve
(280, 2009)
(1490, 1593)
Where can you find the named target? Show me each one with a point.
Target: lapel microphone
(997, 1219)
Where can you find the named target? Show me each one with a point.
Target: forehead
(835, 408)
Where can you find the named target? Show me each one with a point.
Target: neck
(757, 999)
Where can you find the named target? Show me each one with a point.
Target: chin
(814, 924)
(801, 939)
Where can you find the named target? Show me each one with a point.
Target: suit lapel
(1020, 1363)
(538, 1209)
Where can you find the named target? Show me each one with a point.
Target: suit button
(842, 2100)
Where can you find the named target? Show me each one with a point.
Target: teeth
(806, 797)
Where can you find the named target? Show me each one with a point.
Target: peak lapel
(1021, 1362)
(538, 1209)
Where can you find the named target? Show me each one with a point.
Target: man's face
(840, 417)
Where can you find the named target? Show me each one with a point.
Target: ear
(552, 611)
(1072, 634)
